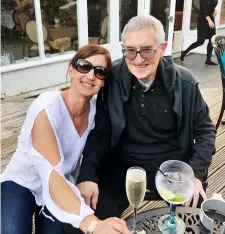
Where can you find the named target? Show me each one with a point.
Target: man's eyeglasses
(146, 53)
(83, 66)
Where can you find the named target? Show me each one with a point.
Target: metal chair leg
(221, 112)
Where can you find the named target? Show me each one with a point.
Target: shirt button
(142, 105)
(142, 95)
(134, 87)
(152, 90)
(165, 110)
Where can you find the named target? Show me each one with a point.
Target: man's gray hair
(140, 22)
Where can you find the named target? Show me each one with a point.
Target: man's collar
(165, 69)
(167, 73)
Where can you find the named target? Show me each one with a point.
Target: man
(150, 111)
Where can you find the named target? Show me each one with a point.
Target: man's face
(143, 68)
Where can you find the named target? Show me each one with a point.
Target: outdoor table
(59, 31)
(148, 220)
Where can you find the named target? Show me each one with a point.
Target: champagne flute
(135, 189)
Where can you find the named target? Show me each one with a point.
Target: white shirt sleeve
(44, 169)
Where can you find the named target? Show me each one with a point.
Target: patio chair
(103, 28)
(218, 42)
(17, 28)
(23, 19)
(31, 32)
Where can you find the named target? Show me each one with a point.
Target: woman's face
(88, 84)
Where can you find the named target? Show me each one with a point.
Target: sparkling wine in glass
(135, 189)
(175, 184)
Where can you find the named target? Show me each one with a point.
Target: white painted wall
(33, 78)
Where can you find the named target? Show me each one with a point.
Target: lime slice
(166, 194)
(178, 198)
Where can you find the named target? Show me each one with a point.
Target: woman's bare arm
(44, 141)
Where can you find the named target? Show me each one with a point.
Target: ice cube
(176, 176)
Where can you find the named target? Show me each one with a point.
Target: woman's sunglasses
(83, 66)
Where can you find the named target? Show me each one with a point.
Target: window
(194, 14)
(97, 21)
(160, 10)
(14, 18)
(59, 22)
(128, 9)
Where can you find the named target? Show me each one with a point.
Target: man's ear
(163, 48)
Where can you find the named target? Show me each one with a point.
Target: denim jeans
(17, 208)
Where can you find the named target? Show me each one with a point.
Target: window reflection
(128, 9)
(59, 19)
(194, 14)
(160, 10)
(97, 21)
(14, 40)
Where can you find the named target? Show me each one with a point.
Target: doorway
(170, 13)
(178, 33)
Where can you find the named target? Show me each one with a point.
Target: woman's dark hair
(90, 50)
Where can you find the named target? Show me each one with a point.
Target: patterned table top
(148, 220)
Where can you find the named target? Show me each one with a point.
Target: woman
(205, 29)
(39, 177)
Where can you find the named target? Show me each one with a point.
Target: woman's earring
(102, 93)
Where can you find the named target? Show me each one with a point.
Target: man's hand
(89, 191)
(111, 226)
(198, 190)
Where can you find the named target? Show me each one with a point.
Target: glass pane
(16, 45)
(222, 14)
(161, 9)
(194, 14)
(128, 9)
(59, 19)
(97, 21)
(177, 34)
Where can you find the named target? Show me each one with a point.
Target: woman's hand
(214, 13)
(211, 24)
(111, 226)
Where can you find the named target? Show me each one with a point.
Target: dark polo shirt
(150, 134)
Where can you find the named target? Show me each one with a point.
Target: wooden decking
(13, 112)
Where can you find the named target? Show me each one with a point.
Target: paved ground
(14, 111)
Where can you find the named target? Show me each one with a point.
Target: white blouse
(31, 170)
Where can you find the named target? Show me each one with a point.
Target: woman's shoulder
(49, 96)
(46, 98)
(43, 101)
